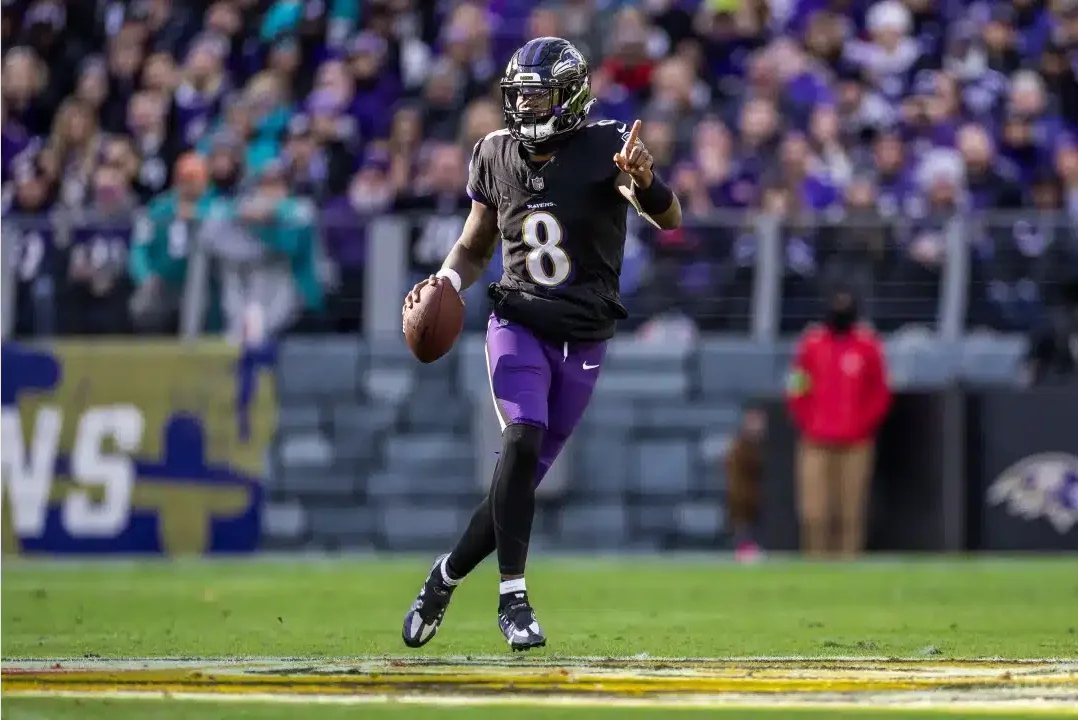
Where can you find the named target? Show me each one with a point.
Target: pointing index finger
(634, 134)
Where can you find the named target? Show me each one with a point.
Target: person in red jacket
(838, 396)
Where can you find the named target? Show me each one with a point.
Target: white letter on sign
(28, 486)
(114, 472)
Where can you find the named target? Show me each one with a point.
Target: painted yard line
(935, 704)
(519, 685)
(555, 660)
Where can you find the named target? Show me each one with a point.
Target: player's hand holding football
(634, 159)
(412, 298)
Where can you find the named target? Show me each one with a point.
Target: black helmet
(545, 92)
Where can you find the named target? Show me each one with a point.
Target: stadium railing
(742, 273)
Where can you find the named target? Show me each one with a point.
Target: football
(433, 324)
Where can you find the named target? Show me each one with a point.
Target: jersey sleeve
(608, 138)
(480, 176)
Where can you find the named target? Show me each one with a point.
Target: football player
(554, 189)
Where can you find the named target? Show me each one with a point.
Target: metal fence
(743, 273)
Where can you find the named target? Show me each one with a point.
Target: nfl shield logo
(538, 184)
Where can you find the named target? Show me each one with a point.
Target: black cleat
(518, 624)
(425, 616)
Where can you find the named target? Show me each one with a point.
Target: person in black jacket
(1053, 348)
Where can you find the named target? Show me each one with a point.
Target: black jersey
(562, 226)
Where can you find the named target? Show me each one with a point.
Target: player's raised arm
(642, 186)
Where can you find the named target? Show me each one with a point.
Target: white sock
(505, 587)
(445, 573)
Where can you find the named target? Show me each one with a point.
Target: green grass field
(1016, 608)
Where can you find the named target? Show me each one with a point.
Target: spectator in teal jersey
(286, 225)
(257, 119)
(269, 115)
(225, 163)
(158, 260)
(282, 18)
(285, 17)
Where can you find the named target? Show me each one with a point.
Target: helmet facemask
(538, 111)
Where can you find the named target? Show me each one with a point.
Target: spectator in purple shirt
(1066, 165)
(1065, 19)
(286, 62)
(810, 190)
(44, 28)
(27, 95)
(930, 20)
(118, 152)
(92, 86)
(225, 163)
(687, 180)
(715, 169)
(931, 114)
(891, 55)
(991, 183)
(613, 101)
(14, 140)
(862, 111)
(125, 58)
(466, 44)
(1001, 40)
(894, 186)
(200, 95)
(1028, 98)
(825, 35)
(662, 142)
(168, 25)
(1033, 24)
(443, 100)
(406, 137)
(375, 89)
(1018, 147)
(825, 133)
(36, 266)
(98, 283)
(482, 117)
(154, 141)
(731, 34)
(160, 74)
(223, 19)
(1060, 75)
(803, 85)
(758, 133)
(344, 237)
(75, 141)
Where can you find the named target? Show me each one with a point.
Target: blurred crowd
(269, 131)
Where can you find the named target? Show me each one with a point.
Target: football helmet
(546, 92)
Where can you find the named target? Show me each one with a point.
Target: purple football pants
(540, 383)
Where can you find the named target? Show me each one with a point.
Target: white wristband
(452, 276)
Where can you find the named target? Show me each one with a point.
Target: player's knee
(522, 443)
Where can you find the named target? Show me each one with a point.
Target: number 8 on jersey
(547, 262)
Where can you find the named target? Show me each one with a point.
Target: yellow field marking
(578, 681)
(1048, 686)
(881, 704)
